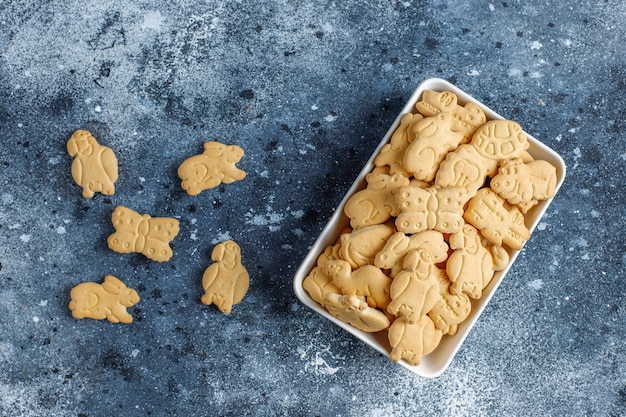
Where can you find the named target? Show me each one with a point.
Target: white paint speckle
(153, 20)
(7, 198)
(221, 237)
(60, 230)
(536, 284)
(25, 238)
(194, 235)
(43, 303)
(36, 319)
(97, 109)
(134, 353)
(314, 107)
(542, 226)
(536, 45)
(492, 7)
(330, 118)
(474, 73)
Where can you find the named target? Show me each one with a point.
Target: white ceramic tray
(435, 363)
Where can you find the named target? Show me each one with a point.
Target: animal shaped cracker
(216, 165)
(94, 167)
(108, 300)
(137, 233)
(411, 341)
(451, 309)
(466, 119)
(466, 168)
(318, 285)
(433, 140)
(399, 244)
(470, 267)
(360, 247)
(500, 139)
(415, 290)
(375, 204)
(497, 222)
(392, 154)
(368, 281)
(522, 183)
(225, 281)
(352, 309)
(430, 208)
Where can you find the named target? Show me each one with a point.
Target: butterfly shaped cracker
(143, 234)
(438, 209)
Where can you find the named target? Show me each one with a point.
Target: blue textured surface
(307, 89)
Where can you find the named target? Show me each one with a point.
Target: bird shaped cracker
(94, 167)
(226, 280)
(216, 165)
(108, 300)
(143, 234)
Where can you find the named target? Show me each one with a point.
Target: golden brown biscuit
(399, 244)
(392, 154)
(94, 167)
(226, 280)
(361, 246)
(415, 290)
(524, 183)
(438, 209)
(411, 341)
(470, 267)
(216, 165)
(108, 300)
(352, 309)
(368, 281)
(143, 234)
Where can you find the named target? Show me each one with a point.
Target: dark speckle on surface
(307, 89)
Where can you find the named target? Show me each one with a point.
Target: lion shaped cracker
(94, 167)
(376, 204)
(108, 300)
(216, 165)
(412, 341)
(353, 310)
(523, 183)
(415, 290)
(136, 233)
(368, 281)
(498, 223)
(438, 209)
(226, 280)
(433, 141)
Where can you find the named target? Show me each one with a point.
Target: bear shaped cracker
(216, 165)
(226, 280)
(375, 204)
(94, 167)
(352, 309)
(108, 300)
(143, 234)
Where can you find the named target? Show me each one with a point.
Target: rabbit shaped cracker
(143, 234)
(216, 165)
(94, 167)
(108, 300)
(225, 281)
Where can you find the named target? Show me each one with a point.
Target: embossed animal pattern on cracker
(94, 167)
(430, 209)
(355, 311)
(410, 341)
(216, 165)
(521, 183)
(226, 280)
(498, 223)
(377, 203)
(392, 153)
(137, 233)
(108, 300)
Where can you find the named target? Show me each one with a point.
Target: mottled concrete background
(307, 89)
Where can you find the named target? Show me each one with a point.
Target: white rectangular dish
(435, 363)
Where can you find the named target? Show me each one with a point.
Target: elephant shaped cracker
(108, 300)
(216, 165)
(143, 234)
(226, 280)
(94, 167)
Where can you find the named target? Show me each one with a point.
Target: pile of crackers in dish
(441, 212)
